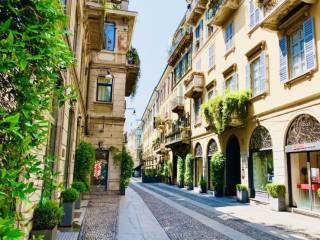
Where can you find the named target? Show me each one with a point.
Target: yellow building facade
(271, 49)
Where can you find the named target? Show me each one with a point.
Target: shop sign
(303, 147)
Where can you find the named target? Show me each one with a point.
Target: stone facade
(227, 39)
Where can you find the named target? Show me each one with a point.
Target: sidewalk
(284, 224)
(136, 221)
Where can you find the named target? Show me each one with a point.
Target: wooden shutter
(284, 75)
(309, 44)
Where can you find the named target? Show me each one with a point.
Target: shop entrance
(100, 171)
(303, 160)
(212, 149)
(198, 165)
(233, 166)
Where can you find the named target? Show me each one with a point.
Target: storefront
(261, 170)
(303, 160)
(100, 171)
(212, 148)
(198, 164)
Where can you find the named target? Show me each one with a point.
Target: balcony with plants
(179, 133)
(133, 71)
(194, 85)
(181, 40)
(196, 9)
(159, 123)
(115, 4)
(275, 11)
(95, 3)
(226, 111)
(177, 104)
(220, 10)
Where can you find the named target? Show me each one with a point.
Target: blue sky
(157, 21)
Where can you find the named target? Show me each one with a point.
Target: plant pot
(218, 192)
(203, 190)
(277, 204)
(242, 196)
(77, 204)
(48, 234)
(180, 185)
(189, 187)
(67, 218)
(122, 191)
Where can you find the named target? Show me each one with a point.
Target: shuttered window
(211, 55)
(297, 52)
(110, 36)
(255, 14)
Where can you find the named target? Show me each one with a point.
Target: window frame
(251, 62)
(104, 85)
(211, 56)
(114, 36)
(229, 36)
(231, 76)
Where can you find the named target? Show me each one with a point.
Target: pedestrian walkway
(253, 220)
(136, 222)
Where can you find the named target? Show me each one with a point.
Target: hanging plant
(230, 109)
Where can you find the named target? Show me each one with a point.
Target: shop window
(228, 36)
(297, 51)
(262, 169)
(110, 36)
(104, 90)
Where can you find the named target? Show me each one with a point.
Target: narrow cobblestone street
(159, 211)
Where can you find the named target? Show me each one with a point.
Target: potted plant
(81, 188)
(69, 196)
(277, 196)
(180, 172)
(188, 174)
(242, 193)
(217, 173)
(203, 185)
(132, 56)
(45, 220)
(126, 169)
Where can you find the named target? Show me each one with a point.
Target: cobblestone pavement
(101, 217)
(237, 224)
(176, 224)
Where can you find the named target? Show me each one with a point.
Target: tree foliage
(33, 53)
(126, 167)
(180, 172)
(188, 174)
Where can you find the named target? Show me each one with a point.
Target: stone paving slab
(67, 236)
(178, 225)
(284, 225)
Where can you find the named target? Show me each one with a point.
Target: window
(197, 108)
(182, 67)
(211, 53)
(231, 83)
(255, 14)
(211, 93)
(104, 90)
(198, 35)
(297, 51)
(256, 75)
(110, 36)
(198, 65)
(229, 36)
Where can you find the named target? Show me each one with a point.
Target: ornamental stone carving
(260, 139)
(198, 151)
(212, 147)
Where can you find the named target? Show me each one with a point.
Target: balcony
(275, 11)
(177, 104)
(133, 74)
(182, 39)
(180, 132)
(161, 149)
(194, 85)
(221, 10)
(195, 11)
(97, 4)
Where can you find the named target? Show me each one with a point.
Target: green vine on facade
(222, 109)
(33, 53)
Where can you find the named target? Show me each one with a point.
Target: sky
(156, 23)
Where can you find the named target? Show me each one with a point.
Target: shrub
(241, 187)
(69, 195)
(180, 172)
(85, 158)
(188, 174)
(79, 186)
(126, 167)
(217, 170)
(276, 190)
(47, 215)
(151, 172)
(318, 192)
(203, 185)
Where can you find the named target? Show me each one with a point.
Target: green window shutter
(284, 74)
(309, 44)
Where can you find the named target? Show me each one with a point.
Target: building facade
(134, 147)
(270, 48)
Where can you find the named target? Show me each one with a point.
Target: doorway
(100, 171)
(233, 166)
(198, 165)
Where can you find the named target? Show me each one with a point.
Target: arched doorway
(303, 161)
(212, 148)
(261, 170)
(233, 166)
(198, 164)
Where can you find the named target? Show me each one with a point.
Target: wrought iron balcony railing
(220, 10)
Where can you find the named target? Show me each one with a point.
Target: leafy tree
(33, 53)
(126, 167)
(180, 173)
